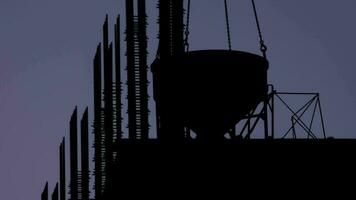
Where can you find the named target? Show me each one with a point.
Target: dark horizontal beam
(295, 93)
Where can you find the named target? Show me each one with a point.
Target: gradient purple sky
(47, 47)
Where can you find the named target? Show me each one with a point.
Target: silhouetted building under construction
(200, 98)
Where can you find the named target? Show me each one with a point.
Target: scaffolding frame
(256, 115)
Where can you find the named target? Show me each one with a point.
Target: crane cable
(186, 39)
(227, 24)
(263, 47)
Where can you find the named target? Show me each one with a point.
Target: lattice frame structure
(267, 115)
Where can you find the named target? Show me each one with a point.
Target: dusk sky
(47, 48)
